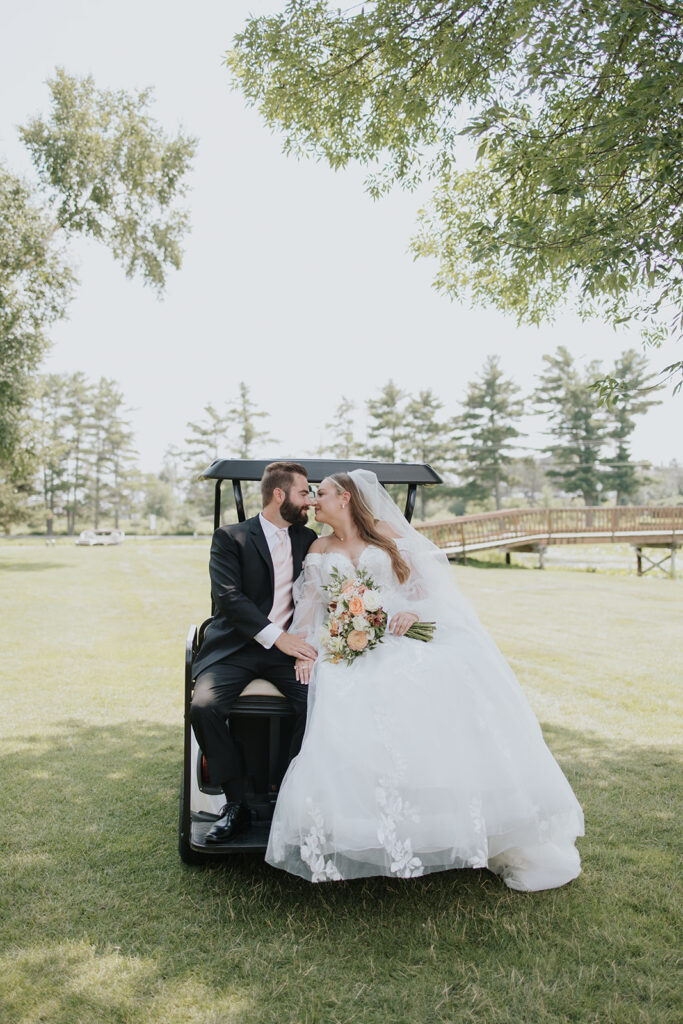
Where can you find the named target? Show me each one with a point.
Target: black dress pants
(217, 688)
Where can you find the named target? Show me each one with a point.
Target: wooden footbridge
(534, 529)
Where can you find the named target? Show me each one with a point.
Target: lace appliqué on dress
(394, 810)
(479, 859)
(312, 849)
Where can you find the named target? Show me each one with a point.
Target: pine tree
(386, 430)
(111, 451)
(172, 471)
(576, 425)
(208, 439)
(343, 444)
(243, 413)
(121, 457)
(50, 444)
(427, 438)
(98, 452)
(387, 426)
(78, 395)
(633, 398)
(231, 434)
(83, 446)
(488, 432)
(245, 416)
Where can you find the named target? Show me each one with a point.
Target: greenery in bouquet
(356, 621)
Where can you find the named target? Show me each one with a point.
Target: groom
(252, 567)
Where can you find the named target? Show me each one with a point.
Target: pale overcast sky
(293, 280)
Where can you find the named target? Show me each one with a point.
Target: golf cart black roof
(241, 470)
(318, 469)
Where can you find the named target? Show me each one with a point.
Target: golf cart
(260, 719)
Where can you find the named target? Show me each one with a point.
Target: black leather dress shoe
(234, 819)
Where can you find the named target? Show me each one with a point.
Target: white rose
(371, 600)
(360, 623)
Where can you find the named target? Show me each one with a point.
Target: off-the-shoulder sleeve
(415, 594)
(310, 600)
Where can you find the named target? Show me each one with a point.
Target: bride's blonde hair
(366, 524)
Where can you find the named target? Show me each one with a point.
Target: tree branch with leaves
(107, 171)
(575, 192)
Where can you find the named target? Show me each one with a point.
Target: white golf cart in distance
(260, 719)
(100, 538)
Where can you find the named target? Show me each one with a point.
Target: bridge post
(541, 556)
(652, 564)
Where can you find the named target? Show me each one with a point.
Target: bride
(417, 756)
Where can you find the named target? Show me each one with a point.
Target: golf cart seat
(261, 688)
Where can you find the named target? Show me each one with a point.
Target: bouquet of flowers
(356, 621)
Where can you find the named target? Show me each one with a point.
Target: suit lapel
(261, 545)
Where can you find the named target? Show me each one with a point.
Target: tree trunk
(97, 501)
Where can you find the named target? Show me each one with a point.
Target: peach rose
(357, 640)
(348, 587)
(356, 606)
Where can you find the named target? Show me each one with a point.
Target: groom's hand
(296, 646)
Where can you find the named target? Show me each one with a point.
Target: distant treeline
(79, 463)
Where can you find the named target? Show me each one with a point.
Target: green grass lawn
(100, 923)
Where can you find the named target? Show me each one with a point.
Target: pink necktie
(283, 606)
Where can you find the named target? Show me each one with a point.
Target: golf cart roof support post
(239, 500)
(410, 501)
(217, 505)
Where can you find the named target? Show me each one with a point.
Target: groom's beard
(295, 514)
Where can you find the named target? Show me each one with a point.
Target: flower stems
(421, 631)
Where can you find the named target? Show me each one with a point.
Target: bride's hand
(401, 623)
(302, 670)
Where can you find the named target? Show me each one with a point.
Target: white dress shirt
(269, 634)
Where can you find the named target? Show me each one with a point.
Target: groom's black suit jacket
(242, 586)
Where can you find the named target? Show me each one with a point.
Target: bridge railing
(555, 525)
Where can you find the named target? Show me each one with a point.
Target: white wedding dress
(419, 757)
